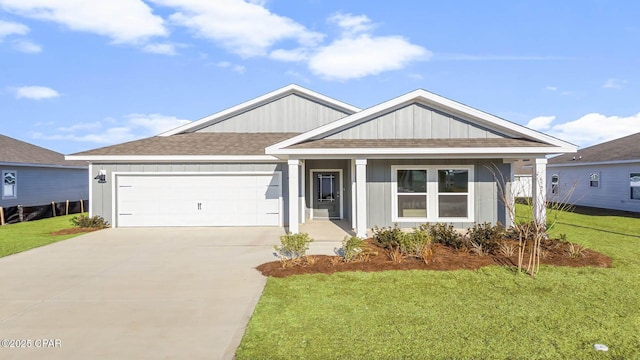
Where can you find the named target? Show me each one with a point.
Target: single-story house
(606, 175)
(293, 155)
(34, 176)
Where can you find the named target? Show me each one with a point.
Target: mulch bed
(70, 231)
(444, 258)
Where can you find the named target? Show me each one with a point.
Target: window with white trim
(9, 184)
(634, 184)
(555, 179)
(594, 180)
(424, 193)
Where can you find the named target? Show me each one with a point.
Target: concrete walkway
(183, 293)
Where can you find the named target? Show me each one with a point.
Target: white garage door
(198, 200)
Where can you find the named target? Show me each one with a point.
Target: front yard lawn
(488, 313)
(15, 238)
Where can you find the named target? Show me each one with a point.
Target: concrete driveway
(170, 293)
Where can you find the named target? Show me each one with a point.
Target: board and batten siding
(101, 200)
(415, 121)
(488, 203)
(613, 192)
(42, 185)
(292, 113)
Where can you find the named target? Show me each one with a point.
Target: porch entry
(326, 194)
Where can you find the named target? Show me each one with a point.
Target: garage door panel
(198, 200)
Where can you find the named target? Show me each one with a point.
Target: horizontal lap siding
(613, 193)
(41, 186)
(415, 121)
(101, 203)
(292, 113)
(487, 206)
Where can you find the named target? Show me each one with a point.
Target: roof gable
(288, 95)
(473, 116)
(622, 149)
(19, 152)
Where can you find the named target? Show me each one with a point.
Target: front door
(326, 194)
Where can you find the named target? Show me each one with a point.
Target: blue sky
(77, 74)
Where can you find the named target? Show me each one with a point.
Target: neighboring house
(33, 176)
(522, 179)
(606, 175)
(293, 155)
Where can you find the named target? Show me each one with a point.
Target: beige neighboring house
(33, 176)
(605, 176)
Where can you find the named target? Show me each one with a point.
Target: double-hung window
(634, 185)
(422, 193)
(9, 184)
(594, 180)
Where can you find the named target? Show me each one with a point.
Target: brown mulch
(444, 258)
(70, 231)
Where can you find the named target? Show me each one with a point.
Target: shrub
(416, 244)
(352, 247)
(294, 246)
(485, 237)
(83, 221)
(444, 234)
(387, 238)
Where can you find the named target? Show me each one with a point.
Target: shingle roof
(195, 144)
(415, 143)
(20, 152)
(626, 148)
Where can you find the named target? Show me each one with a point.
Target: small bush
(507, 249)
(387, 238)
(485, 237)
(444, 234)
(416, 244)
(352, 248)
(294, 246)
(576, 250)
(96, 222)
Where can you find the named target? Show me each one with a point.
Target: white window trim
(591, 174)
(432, 193)
(15, 186)
(630, 198)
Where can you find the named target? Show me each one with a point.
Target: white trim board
(175, 158)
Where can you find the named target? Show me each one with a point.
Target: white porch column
(361, 198)
(539, 190)
(353, 195)
(302, 192)
(293, 200)
(509, 194)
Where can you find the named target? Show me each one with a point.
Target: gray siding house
(33, 176)
(605, 176)
(294, 155)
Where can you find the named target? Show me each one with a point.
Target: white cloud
(364, 55)
(234, 67)
(551, 88)
(161, 48)
(26, 46)
(12, 28)
(35, 92)
(155, 123)
(114, 131)
(541, 123)
(593, 128)
(352, 24)
(247, 29)
(124, 21)
(612, 83)
(294, 55)
(415, 76)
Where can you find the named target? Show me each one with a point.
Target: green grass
(490, 313)
(15, 238)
